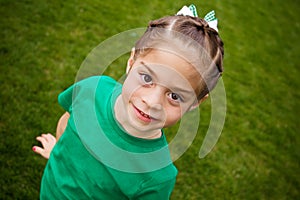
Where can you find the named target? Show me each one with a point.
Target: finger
(45, 139)
(40, 151)
(50, 138)
(49, 144)
(41, 139)
(45, 136)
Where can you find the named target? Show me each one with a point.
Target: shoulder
(165, 175)
(96, 83)
(94, 80)
(160, 185)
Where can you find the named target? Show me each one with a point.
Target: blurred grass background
(43, 43)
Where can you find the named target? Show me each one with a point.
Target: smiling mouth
(142, 116)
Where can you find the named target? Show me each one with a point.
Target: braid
(199, 30)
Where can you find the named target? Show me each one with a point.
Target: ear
(130, 61)
(197, 103)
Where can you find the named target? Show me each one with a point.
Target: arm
(48, 140)
(62, 124)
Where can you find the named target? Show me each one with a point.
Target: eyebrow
(182, 90)
(148, 68)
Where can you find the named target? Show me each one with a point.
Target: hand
(48, 141)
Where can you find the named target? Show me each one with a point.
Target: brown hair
(197, 29)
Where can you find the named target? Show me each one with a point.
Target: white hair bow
(210, 17)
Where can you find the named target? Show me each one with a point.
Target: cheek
(173, 114)
(130, 87)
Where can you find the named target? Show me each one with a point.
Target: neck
(121, 115)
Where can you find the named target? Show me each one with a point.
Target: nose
(154, 97)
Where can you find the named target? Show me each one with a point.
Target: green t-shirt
(96, 159)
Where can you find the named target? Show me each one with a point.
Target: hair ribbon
(210, 17)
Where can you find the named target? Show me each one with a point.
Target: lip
(142, 116)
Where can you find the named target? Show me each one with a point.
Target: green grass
(257, 156)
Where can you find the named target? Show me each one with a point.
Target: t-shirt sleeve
(65, 98)
(162, 191)
(76, 91)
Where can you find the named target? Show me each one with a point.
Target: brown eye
(175, 97)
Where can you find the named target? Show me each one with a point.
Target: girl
(110, 143)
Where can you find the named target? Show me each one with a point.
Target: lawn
(43, 44)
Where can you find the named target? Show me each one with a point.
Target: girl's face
(157, 91)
